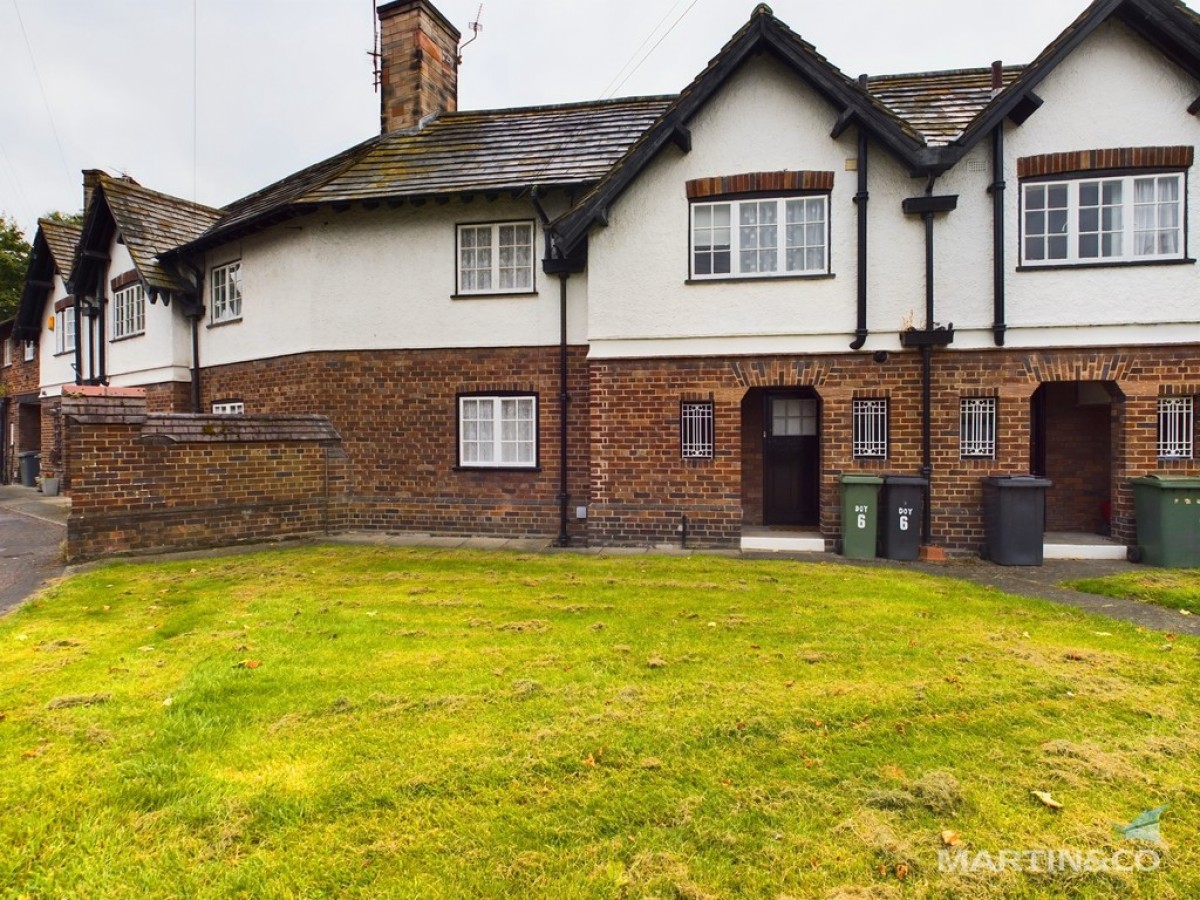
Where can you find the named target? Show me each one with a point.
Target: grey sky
(280, 84)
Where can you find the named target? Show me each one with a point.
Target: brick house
(624, 322)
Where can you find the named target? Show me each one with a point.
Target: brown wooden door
(791, 460)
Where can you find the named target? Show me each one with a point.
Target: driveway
(29, 543)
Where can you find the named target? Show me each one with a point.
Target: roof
(459, 152)
(52, 254)
(61, 240)
(939, 105)
(152, 223)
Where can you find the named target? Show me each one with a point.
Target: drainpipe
(101, 300)
(860, 201)
(195, 312)
(3, 440)
(77, 312)
(564, 397)
(996, 189)
(90, 312)
(927, 380)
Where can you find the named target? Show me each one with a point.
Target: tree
(14, 259)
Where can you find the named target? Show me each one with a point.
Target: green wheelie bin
(860, 515)
(1168, 520)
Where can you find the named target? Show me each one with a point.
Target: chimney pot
(997, 77)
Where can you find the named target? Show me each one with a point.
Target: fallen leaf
(1185, 612)
(1046, 799)
(656, 662)
(590, 761)
(901, 871)
(248, 664)
(951, 838)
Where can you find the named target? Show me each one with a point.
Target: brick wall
(641, 489)
(397, 414)
(145, 482)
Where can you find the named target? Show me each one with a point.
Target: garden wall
(144, 481)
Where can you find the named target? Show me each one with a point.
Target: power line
(45, 101)
(612, 84)
(657, 43)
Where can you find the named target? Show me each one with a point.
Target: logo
(1144, 827)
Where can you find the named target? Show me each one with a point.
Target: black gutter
(860, 201)
(996, 189)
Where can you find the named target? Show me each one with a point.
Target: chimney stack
(91, 179)
(419, 64)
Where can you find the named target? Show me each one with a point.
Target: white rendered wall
(54, 370)
(378, 280)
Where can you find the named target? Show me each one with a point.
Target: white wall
(54, 371)
(380, 279)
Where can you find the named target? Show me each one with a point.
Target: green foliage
(364, 722)
(14, 259)
(64, 218)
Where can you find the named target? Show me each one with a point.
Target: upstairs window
(64, 331)
(226, 292)
(495, 258)
(761, 237)
(1176, 427)
(129, 311)
(1134, 218)
(8, 351)
(29, 351)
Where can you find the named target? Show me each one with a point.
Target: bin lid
(25, 454)
(1169, 482)
(852, 478)
(1018, 481)
(914, 480)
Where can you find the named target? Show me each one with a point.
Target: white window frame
(477, 263)
(1076, 222)
(759, 249)
(696, 429)
(8, 350)
(65, 321)
(229, 408)
(869, 428)
(977, 418)
(129, 311)
(489, 431)
(30, 353)
(225, 292)
(1176, 427)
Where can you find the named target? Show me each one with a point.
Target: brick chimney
(419, 63)
(91, 178)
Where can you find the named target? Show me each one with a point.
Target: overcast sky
(213, 99)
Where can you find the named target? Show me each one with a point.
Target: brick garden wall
(144, 482)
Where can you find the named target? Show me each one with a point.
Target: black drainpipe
(927, 379)
(860, 201)
(195, 311)
(101, 300)
(77, 312)
(552, 264)
(996, 189)
(90, 313)
(3, 440)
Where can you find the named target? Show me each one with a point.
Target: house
(683, 318)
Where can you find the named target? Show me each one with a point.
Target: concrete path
(32, 529)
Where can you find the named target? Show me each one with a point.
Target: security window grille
(495, 258)
(497, 432)
(129, 311)
(870, 429)
(977, 427)
(65, 331)
(29, 351)
(761, 238)
(696, 429)
(229, 408)
(1176, 426)
(227, 292)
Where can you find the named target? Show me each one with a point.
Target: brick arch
(1040, 368)
(781, 373)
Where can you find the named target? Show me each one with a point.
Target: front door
(791, 460)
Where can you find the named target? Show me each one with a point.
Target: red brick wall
(397, 414)
(130, 494)
(640, 488)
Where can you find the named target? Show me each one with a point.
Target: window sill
(70, 352)
(127, 337)
(744, 279)
(1106, 265)
(223, 323)
(476, 294)
(530, 469)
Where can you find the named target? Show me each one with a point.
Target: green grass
(453, 724)
(1172, 588)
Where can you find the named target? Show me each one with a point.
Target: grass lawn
(1172, 588)
(377, 722)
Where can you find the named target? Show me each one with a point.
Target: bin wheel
(1134, 554)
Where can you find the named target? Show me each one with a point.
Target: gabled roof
(150, 223)
(763, 32)
(1168, 25)
(52, 254)
(939, 105)
(461, 152)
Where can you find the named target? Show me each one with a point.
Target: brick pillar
(1134, 451)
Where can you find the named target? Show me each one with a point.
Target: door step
(1072, 545)
(773, 540)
